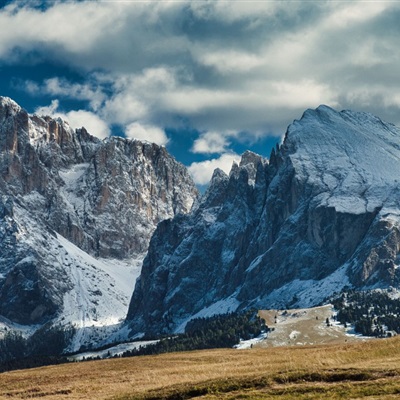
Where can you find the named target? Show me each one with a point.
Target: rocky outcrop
(322, 214)
(106, 197)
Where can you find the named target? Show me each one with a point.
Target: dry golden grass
(307, 372)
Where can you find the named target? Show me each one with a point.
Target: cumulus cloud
(202, 171)
(230, 61)
(28, 27)
(209, 143)
(93, 124)
(211, 66)
(77, 119)
(50, 110)
(152, 134)
(61, 87)
(136, 96)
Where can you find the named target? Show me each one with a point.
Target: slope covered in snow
(102, 288)
(91, 294)
(352, 158)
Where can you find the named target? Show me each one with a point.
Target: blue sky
(207, 79)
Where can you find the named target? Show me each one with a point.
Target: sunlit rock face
(105, 197)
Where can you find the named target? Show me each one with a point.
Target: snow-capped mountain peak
(322, 214)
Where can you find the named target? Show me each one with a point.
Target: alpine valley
(81, 219)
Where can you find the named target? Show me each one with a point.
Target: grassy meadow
(339, 371)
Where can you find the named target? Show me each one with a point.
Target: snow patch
(308, 292)
(248, 344)
(72, 175)
(117, 350)
(220, 307)
(293, 335)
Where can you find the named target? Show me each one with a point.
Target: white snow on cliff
(353, 157)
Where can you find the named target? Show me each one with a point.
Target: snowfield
(99, 300)
(94, 293)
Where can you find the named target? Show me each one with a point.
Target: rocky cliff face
(61, 188)
(104, 196)
(322, 214)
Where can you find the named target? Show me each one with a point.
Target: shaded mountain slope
(322, 214)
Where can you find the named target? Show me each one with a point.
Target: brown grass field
(332, 371)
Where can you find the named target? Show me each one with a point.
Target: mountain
(76, 217)
(321, 215)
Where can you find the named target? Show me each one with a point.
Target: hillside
(329, 372)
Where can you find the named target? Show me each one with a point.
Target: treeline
(219, 331)
(44, 347)
(373, 312)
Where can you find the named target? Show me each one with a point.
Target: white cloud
(124, 107)
(210, 142)
(354, 13)
(202, 171)
(50, 110)
(93, 35)
(77, 119)
(231, 11)
(93, 124)
(136, 96)
(27, 27)
(229, 61)
(236, 109)
(152, 134)
(61, 87)
(216, 66)
(154, 79)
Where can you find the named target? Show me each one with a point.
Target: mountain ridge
(76, 216)
(321, 215)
